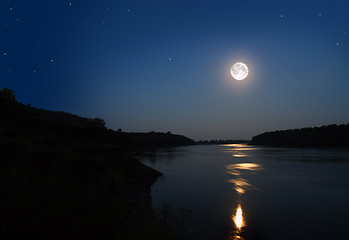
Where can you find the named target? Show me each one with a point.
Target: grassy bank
(68, 177)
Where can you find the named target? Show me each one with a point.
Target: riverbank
(67, 177)
(331, 136)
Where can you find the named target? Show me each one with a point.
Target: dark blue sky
(165, 65)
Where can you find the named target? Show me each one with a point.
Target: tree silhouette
(7, 95)
(97, 123)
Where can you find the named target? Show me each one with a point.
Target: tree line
(324, 136)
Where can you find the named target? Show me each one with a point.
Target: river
(237, 191)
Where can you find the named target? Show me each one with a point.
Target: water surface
(283, 193)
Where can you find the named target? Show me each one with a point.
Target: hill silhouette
(325, 136)
(61, 173)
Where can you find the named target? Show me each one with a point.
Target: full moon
(239, 71)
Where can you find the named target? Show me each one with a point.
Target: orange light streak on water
(238, 218)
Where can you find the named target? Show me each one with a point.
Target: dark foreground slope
(68, 177)
(325, 136)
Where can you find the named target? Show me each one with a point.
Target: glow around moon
(239, 71)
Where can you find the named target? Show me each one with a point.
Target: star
(169, 59)
(281, 16)
(5, 54)
(52, 60)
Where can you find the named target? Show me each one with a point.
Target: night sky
(165, 65)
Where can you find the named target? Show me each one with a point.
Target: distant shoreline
(331, 136)
(212, 142)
